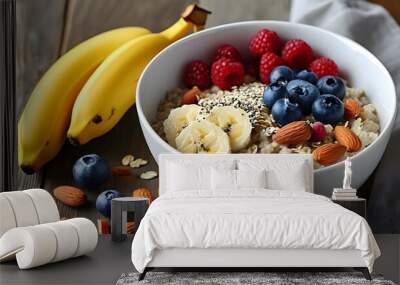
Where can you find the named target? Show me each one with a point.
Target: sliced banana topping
(203, 137)
(235, 122)
(178, 119)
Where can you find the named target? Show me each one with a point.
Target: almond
(130, 228)
(121, 170)
(352, 109)
(293, 133)
(70, 195)
(191, 96)
(329, 153)
(143, 192)
(346, 137)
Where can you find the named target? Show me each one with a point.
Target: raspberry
(226, 73)
(297, 53)
(268, 62)
(323, 66)
(227, 51)
(197, 73)
(319, 132)
(265, 41)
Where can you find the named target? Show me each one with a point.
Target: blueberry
(103, 202)
(307, 76)
(273, 92)
(285, 112)
(328, 109)
(282, 74)
(332, 85)
(90, 171)
(302, 92)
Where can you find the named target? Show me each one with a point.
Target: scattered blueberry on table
(103, 202)
(90, 171)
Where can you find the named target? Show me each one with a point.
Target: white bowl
(359, 66)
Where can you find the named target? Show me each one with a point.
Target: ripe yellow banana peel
(46, 118)
(43, 124)
(110, 91)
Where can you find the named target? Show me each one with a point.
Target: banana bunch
(86, 92)
(224, 130)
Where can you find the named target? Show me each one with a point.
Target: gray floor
(103, 266)
(110, 260)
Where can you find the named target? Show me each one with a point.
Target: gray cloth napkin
(371, 26)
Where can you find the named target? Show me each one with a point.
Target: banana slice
(178, 119)
(203, 137)
(235, 122)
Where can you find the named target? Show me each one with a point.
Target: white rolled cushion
(223, 179)
(7, 218)
(45, 205)
(33, 246)
(40, 244)
(251, 178)
(23, 208)
(87, 235)
(67, 240)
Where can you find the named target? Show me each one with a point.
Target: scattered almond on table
(143, 192)
(121, 171)
(70, 195)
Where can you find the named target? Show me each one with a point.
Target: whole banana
(44, 122)
(110, 91)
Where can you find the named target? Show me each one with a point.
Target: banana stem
(195, 14)
(194, 17)
(177, 30)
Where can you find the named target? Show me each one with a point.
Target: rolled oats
(249, 97)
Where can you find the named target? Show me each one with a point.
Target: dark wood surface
(39, 32)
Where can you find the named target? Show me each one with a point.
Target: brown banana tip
(29, 170)
(195, 14)
(73, 141)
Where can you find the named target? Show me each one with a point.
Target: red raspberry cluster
(267, 50)
(227, 70)
(296, 53)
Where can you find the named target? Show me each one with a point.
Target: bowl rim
(354, 45)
